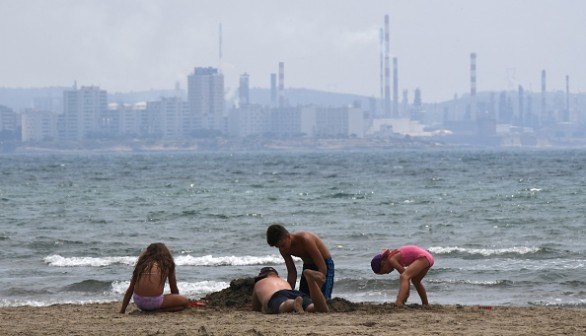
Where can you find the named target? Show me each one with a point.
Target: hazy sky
(332, 45)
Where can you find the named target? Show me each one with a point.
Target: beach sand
(104, 319)
(228, 313)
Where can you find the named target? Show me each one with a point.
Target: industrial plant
(82, 116)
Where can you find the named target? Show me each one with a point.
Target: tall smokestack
(220, 48)
(387, 70)
(473, 85)
(543, 99)
(567, 114)
(473, 74)
(281, 84)
(395, 87)
(382, 70)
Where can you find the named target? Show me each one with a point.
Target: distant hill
(21, 98)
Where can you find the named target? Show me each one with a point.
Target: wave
(193, 290)
(187, 260)
(88, 286)
(42, 303)
(449, 250)
(349, 285)
(577, 303)
(349, 195)
(486, 283)
(59, 261)
(95, 291)
(210, 260)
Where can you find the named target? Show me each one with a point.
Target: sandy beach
(228, 312)
(366, 319)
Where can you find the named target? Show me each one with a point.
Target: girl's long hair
(155, 253)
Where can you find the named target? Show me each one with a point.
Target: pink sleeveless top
(410, 253)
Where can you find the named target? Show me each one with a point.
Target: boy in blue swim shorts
(311, 249)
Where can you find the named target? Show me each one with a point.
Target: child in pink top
(412, 262)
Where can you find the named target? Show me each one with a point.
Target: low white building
(39, 125)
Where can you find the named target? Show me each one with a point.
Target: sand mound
(236, 296)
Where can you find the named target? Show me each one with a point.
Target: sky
(329, 45)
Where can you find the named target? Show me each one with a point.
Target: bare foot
(316, 276)
(298, 305)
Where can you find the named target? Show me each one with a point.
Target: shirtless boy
(273, 295)
(311, 249)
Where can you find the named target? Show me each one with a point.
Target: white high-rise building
(83, 110)
(206, 100)
(167, 115)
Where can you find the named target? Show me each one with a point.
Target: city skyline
(134, 46)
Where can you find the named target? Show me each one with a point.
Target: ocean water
(506, 227)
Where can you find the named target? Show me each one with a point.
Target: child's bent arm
(291, 270)
(127, 296)
(395, 264)
(173, 283)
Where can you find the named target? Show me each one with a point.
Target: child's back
(151, 283)
(154, 266)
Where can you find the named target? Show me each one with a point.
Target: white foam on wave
(466, 282)
(189, 289)
(483, 251)
(210, 260)
(183, 260)
(59, 261)
(37, 303)
(193, 290)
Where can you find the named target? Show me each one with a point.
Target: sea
(506, 227)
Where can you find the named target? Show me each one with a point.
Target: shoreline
(366, 319)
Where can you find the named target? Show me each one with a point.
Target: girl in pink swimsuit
(154, 266)
(412, 262)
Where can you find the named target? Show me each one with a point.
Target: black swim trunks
(284, 295)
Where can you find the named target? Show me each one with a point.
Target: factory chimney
(396, 113)
(473, 85)
(567, 116)
(544, 117)
(281, 84)
(387, 104)
(220, 54)
(382, 71)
